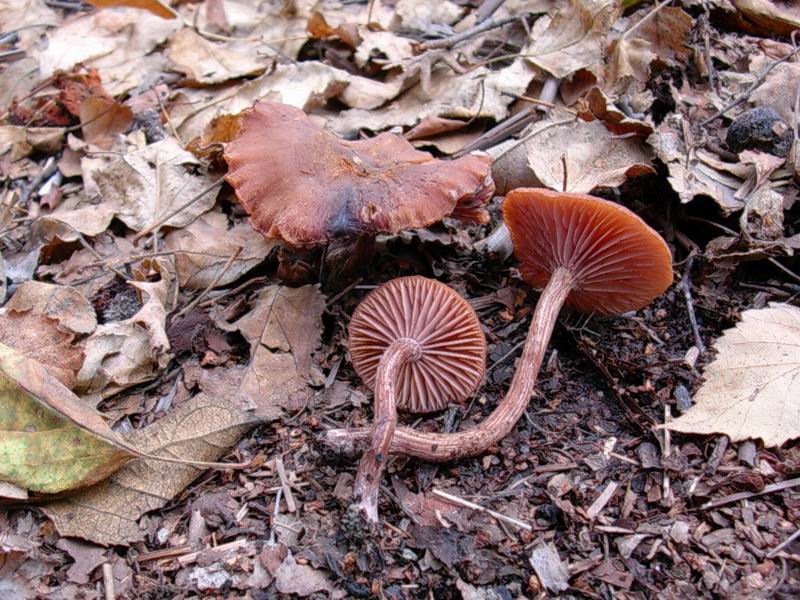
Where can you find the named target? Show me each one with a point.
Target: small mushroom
(419, 346)
(591, 254)
(306, 186)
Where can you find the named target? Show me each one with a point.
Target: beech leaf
(751, 388)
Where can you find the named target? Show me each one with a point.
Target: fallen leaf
(102, 119)
(156, 7)
(207, 63)
(51, 442)
(148, 185)
(303, 580)
(591, 155)
(128, 352)
(17, 142)
(118, 43)
(766, 17)
(87, 558)
(283, 330)
(203, 248)
(67, 306)
(752, 386)
(201, 429)
(479, 93)
(552, 572)
(305, 85)
(37, 335)
(573, 39)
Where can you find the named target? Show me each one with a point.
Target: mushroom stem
(397, 355)
(442, 447)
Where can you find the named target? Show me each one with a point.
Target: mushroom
(590, 254)
(419, 346)
(306, 186)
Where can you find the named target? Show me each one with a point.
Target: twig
(768, 489)
(667, 450)
(213, 283)
(180, 209)
(466, 503)
(453, 40)
(741, 98)
(487, 9)
(685, 285)
(108, 582)
(783, 544)
(287, 490)
(600, 503)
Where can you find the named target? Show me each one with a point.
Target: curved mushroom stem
(442, 447)
(401, 352)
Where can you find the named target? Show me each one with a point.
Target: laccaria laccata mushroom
(590, 254)
(303, 185)
(419, 346)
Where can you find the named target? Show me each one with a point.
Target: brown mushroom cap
(619, 262)
(302, 184)
(453, 348)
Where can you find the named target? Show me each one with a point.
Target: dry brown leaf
(303, 580)
(479, 93)
(201, 429)
(283, 331)
(147, 185)
(38, 336)
(118, 43)
(68, 306)
(751, 388)
(129, 352)
(306, 85)
(17, 142)
(591, 155)
(66, 223)
(102, 119)
(574, 39)
(203, 248)
(210, 63)
(156, 7)
(768, 17)
(779, 90)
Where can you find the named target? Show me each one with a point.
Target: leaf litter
(167, 326)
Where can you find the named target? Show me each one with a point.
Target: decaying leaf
(148, 185)
(66, 305)
(204, 248)
(201, 429)
(103, 118)
(124, 353)
(207, 63)
(303, 580)
(35, 334)
(51, 442)
(574, 39)
(569, 154)
(751, 388)
(283, 330)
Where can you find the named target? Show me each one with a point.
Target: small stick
(783, 544)
(687, 294)
(287, 490)
(453, 40)
(667, 449)
(108, 582)
(180, 209)
(768, 489)
(466, 503)
(600, 503)
(191, 558)
(213, 283)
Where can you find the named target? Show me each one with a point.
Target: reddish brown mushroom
(588, 253)
(419, 346)
(302, 184)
